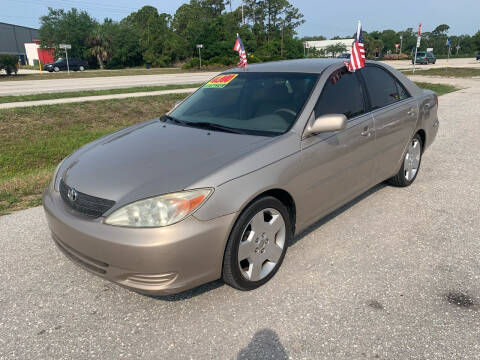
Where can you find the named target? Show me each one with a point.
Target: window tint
(382, 87)
(402, 93)
(255, 103)
(342, 94)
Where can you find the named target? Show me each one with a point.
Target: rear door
(395, 113)
(338, 165)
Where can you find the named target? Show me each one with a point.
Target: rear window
(421, 54)
(382, 87)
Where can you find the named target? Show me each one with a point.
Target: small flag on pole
(357, 58)
(448, 42)
(238, 47)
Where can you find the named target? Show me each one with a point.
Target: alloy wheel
(412, 159)
(262, 244)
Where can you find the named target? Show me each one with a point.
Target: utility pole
(281, 48)
(243, 17)
(419, 38)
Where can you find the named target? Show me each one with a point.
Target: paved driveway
(393, 275)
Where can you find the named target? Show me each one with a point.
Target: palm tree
(100, 46)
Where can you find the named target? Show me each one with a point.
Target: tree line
(267, 28)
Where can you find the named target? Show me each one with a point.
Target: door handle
(366, 131)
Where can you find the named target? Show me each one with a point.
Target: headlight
(159, 211)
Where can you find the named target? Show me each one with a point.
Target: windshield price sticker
(220, 81)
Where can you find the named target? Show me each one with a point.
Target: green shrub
(222, 60)
(193, 63)
(9, 63)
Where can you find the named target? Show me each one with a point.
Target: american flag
(241, 52)
(357, 58)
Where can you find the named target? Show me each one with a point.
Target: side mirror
(324, 123)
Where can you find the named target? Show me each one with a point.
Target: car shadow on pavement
(190, 293)
(337, 212)
(265, 344)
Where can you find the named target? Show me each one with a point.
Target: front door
(338, 165)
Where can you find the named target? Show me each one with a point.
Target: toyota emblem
(72, 194)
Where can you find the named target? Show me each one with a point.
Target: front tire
(257, 244)
(56, 69)
(411, 164)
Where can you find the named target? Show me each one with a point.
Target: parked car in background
(425, 58)
(61, 65)
(219, 186)
(478, 55)
(344, 56)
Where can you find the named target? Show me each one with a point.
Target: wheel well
(286, 199)
(422, 135)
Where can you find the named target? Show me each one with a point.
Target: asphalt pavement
(116, 82)
(26, 87)
(395, 274)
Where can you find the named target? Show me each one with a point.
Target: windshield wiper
(213, 126)
(171, 118)
(202, 125)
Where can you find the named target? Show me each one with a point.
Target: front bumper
(157, 261)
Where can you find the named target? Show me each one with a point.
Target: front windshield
(253, 103)
(59, 60)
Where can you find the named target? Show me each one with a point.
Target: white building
(323, 44)
(31, 49)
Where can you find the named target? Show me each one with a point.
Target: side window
(382, 87)
(342, 94)
(402, 93)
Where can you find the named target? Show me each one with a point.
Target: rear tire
(81, 68)
(257, 244)
(410, 165)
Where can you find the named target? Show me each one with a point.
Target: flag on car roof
(357, 58)
(238, 47)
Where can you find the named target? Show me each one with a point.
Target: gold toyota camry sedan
(219, 186)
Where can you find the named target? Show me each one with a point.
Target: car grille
(85, 204)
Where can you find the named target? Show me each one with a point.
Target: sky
(327, 18)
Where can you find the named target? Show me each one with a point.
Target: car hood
(153, 158)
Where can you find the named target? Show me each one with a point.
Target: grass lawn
(439, 89)
(63, 95)
(446, 72)
(33, 140)
(95, 73)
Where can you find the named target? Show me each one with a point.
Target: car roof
(315, 66)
